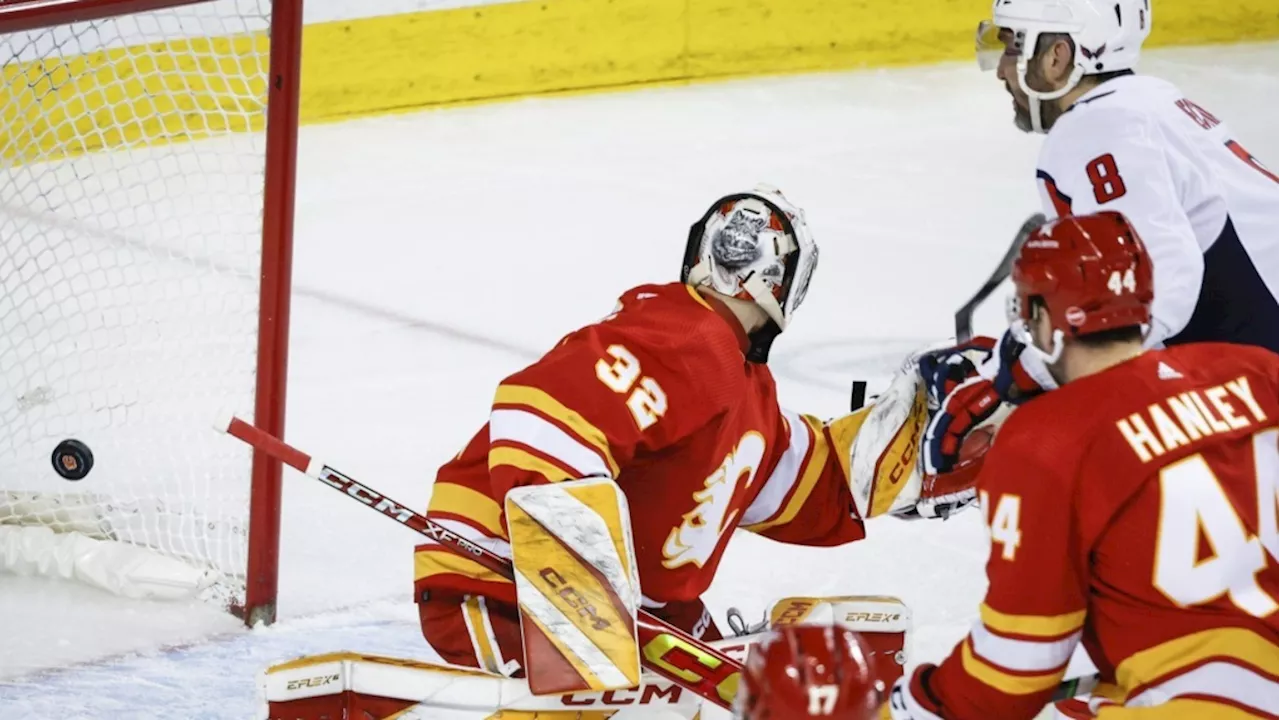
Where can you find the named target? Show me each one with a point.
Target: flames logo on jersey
(696, 538)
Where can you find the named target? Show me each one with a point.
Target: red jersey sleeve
(1031, 619)
(806, 499)
(628, 385)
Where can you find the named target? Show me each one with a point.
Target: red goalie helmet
(804, 671)
(1092, 272)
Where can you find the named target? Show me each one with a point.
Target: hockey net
(145, 210)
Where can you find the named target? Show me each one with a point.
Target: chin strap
(1036, 99)
(1023, 335)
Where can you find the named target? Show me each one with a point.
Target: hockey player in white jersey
(1207, 209)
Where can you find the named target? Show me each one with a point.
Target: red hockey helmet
(1091, 272)
(802, 671)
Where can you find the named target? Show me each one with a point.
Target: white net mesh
(131, 195)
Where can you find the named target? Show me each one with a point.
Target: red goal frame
(284, 71)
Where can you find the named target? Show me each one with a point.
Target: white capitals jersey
(1207, 210)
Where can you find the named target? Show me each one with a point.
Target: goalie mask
(754, 246)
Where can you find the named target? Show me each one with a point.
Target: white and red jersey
(1207, 210)
(1132, 512)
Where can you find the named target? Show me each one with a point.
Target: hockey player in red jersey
(1132, 511)
(670, 397)
(808, 671)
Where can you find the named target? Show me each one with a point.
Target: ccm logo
(907, 460)
(874, 617)
(573, 598)
(649, 695)
(795, 611)
(320, 681)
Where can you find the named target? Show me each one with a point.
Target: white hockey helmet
(1108, 37)
(753, 246)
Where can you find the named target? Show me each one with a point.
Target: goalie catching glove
(914, 453)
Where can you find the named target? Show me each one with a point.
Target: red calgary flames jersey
(1133, 511)
(659, 397)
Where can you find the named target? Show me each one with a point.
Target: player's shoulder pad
(1111, 114)
(1037, 439)
(674, 325)
(1221, 360)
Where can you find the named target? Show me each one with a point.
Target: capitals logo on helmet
(753, 246)
(1091, 273)
(809, 671)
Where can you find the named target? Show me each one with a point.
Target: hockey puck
(72, 459)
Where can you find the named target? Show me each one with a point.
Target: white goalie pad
(354, 685)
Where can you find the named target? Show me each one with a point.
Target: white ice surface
(439, 251)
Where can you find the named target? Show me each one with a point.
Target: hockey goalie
(614, 470)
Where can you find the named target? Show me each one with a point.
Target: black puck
(72, 459)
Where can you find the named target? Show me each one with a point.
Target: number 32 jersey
(658, 396)
(1133, 512)
(1207, 210)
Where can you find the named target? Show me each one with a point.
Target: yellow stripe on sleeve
(539, 400)
(1003, 681)
(525, 460)
(813, 468)
(1041, 626)
(465, 502)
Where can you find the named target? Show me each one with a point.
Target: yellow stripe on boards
(509, 50)
(132, 96)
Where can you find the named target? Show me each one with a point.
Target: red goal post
(34, 147)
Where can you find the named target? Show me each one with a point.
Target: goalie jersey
(1207, 210)
(1134, 512)
(658, 396)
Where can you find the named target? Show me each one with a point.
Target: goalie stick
(964, 316)
(665, 649)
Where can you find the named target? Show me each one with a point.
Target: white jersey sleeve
(1205, 208)
(1111, 159)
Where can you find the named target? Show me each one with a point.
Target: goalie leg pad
(883, 623)
(576, 584)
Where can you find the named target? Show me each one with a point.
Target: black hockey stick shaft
(665, 649)
(964, 316)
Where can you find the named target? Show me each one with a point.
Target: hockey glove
(959, 401)
(1017, 376)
